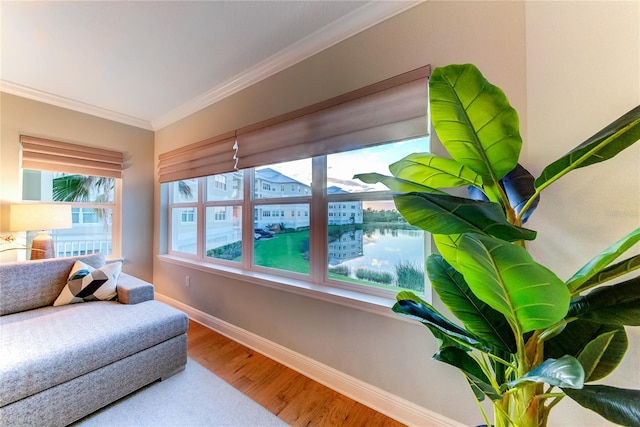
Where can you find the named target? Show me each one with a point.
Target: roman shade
(209, 157)
(47, 155)
(391, 110)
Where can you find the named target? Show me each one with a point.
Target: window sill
(352, 299)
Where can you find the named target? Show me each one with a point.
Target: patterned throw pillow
(88, 284)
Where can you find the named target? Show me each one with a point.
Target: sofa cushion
(86, 283)
(26, 285)
(48, 346)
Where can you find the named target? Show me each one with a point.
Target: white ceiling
(151, 63)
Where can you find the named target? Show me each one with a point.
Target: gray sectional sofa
(59, 364)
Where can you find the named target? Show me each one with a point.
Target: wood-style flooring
(294, 398)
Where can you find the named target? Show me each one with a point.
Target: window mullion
(318, 221)
(116, 219)
(248, 206)
(201, 220)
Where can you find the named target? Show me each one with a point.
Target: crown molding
(357, 21)
(81, 107)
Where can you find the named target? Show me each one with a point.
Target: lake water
(380, 250)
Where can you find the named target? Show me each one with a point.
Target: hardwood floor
(294, 398)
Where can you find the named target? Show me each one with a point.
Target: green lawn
(283, 252)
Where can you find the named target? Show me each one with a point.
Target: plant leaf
(476, 193)
(506, 277)
(447, 245)
(620, 134)
(433, 171)
(474, 121)
(618, 405)
(519, 188)
(478, 380)
(591, 355)
(552, 331)
(445, 214)
(442, 338)
(80, 188)
(603, 259)
(616, 305)
(564, 372)
(429, 316)
(518, 185)
(576, 339)
(395, 184)
(487, 324)
(613, 271)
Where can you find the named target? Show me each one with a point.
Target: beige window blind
(209, 157)
(47, 155)
(391, 110)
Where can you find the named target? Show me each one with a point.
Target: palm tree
(83, 188)
(185, 190)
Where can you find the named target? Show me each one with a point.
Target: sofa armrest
(132, 290)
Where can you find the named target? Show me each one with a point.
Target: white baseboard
(380, 400)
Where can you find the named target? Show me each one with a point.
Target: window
(367, 241)
(185, 196)
(90, 216)
(84, 216)
(223, 218)
(86, 177)
(297, 211)
(92, 202)
(188, 215)
(220, 183)
(184, 235)
(219, 213)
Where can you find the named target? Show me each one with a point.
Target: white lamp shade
(39, 216)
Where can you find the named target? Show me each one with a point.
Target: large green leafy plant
(527, 338)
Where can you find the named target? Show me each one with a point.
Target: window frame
(115, 207)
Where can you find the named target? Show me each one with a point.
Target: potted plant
(528, 338)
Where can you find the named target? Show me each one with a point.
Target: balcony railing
(67, 248)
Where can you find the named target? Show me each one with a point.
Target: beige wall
(23, 116)
(568, 68)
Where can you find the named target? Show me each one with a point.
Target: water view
(389, 256)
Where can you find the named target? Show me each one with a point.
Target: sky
(343, 166)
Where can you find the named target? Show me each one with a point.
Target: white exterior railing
(66, 248)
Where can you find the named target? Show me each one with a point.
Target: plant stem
(550, 395)
(501, 412)
(528, 204)
(483, 412)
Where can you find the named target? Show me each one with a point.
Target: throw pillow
(88, 284)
